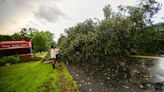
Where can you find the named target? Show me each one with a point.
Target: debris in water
(125, 86)
(141, 86)
(101, 83)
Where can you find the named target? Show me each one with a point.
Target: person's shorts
(53, 59)
(57, 57)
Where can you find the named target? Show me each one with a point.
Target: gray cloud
(9, 9)
(49, 13)
(15, 14)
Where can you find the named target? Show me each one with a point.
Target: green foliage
(10, 60)
(152, 40)
(17, 36)
(5, 37)
(119, 35)
(107, 11)
(79, 37)
(2, 62)
(41, 40)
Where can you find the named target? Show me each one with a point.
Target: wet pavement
(146, 75)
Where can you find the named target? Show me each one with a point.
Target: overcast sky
(54, 15)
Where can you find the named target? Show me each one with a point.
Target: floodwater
(146, 75)
(155, 68)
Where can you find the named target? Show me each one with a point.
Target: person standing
(53, 56)
(57, 51)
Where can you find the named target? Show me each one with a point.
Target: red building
(23, 48)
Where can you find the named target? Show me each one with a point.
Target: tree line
(41, 40)
(130, 31)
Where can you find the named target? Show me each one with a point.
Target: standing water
(145, 76)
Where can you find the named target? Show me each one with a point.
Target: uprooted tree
(121, 34)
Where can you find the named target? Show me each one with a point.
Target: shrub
(10, 59)
(2, 62)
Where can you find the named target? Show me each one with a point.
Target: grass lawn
(33, 77)
(36, 77)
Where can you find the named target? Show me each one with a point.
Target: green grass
(36, 77)
(41, 54)
(29, 77)
(68, 84)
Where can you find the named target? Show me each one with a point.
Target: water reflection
(155, 67)
(156, 70)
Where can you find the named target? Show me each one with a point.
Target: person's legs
(53, 63)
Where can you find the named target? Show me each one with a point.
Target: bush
(33, 59)
(10, 60)
(2, 62)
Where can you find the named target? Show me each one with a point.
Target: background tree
(41, 40)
